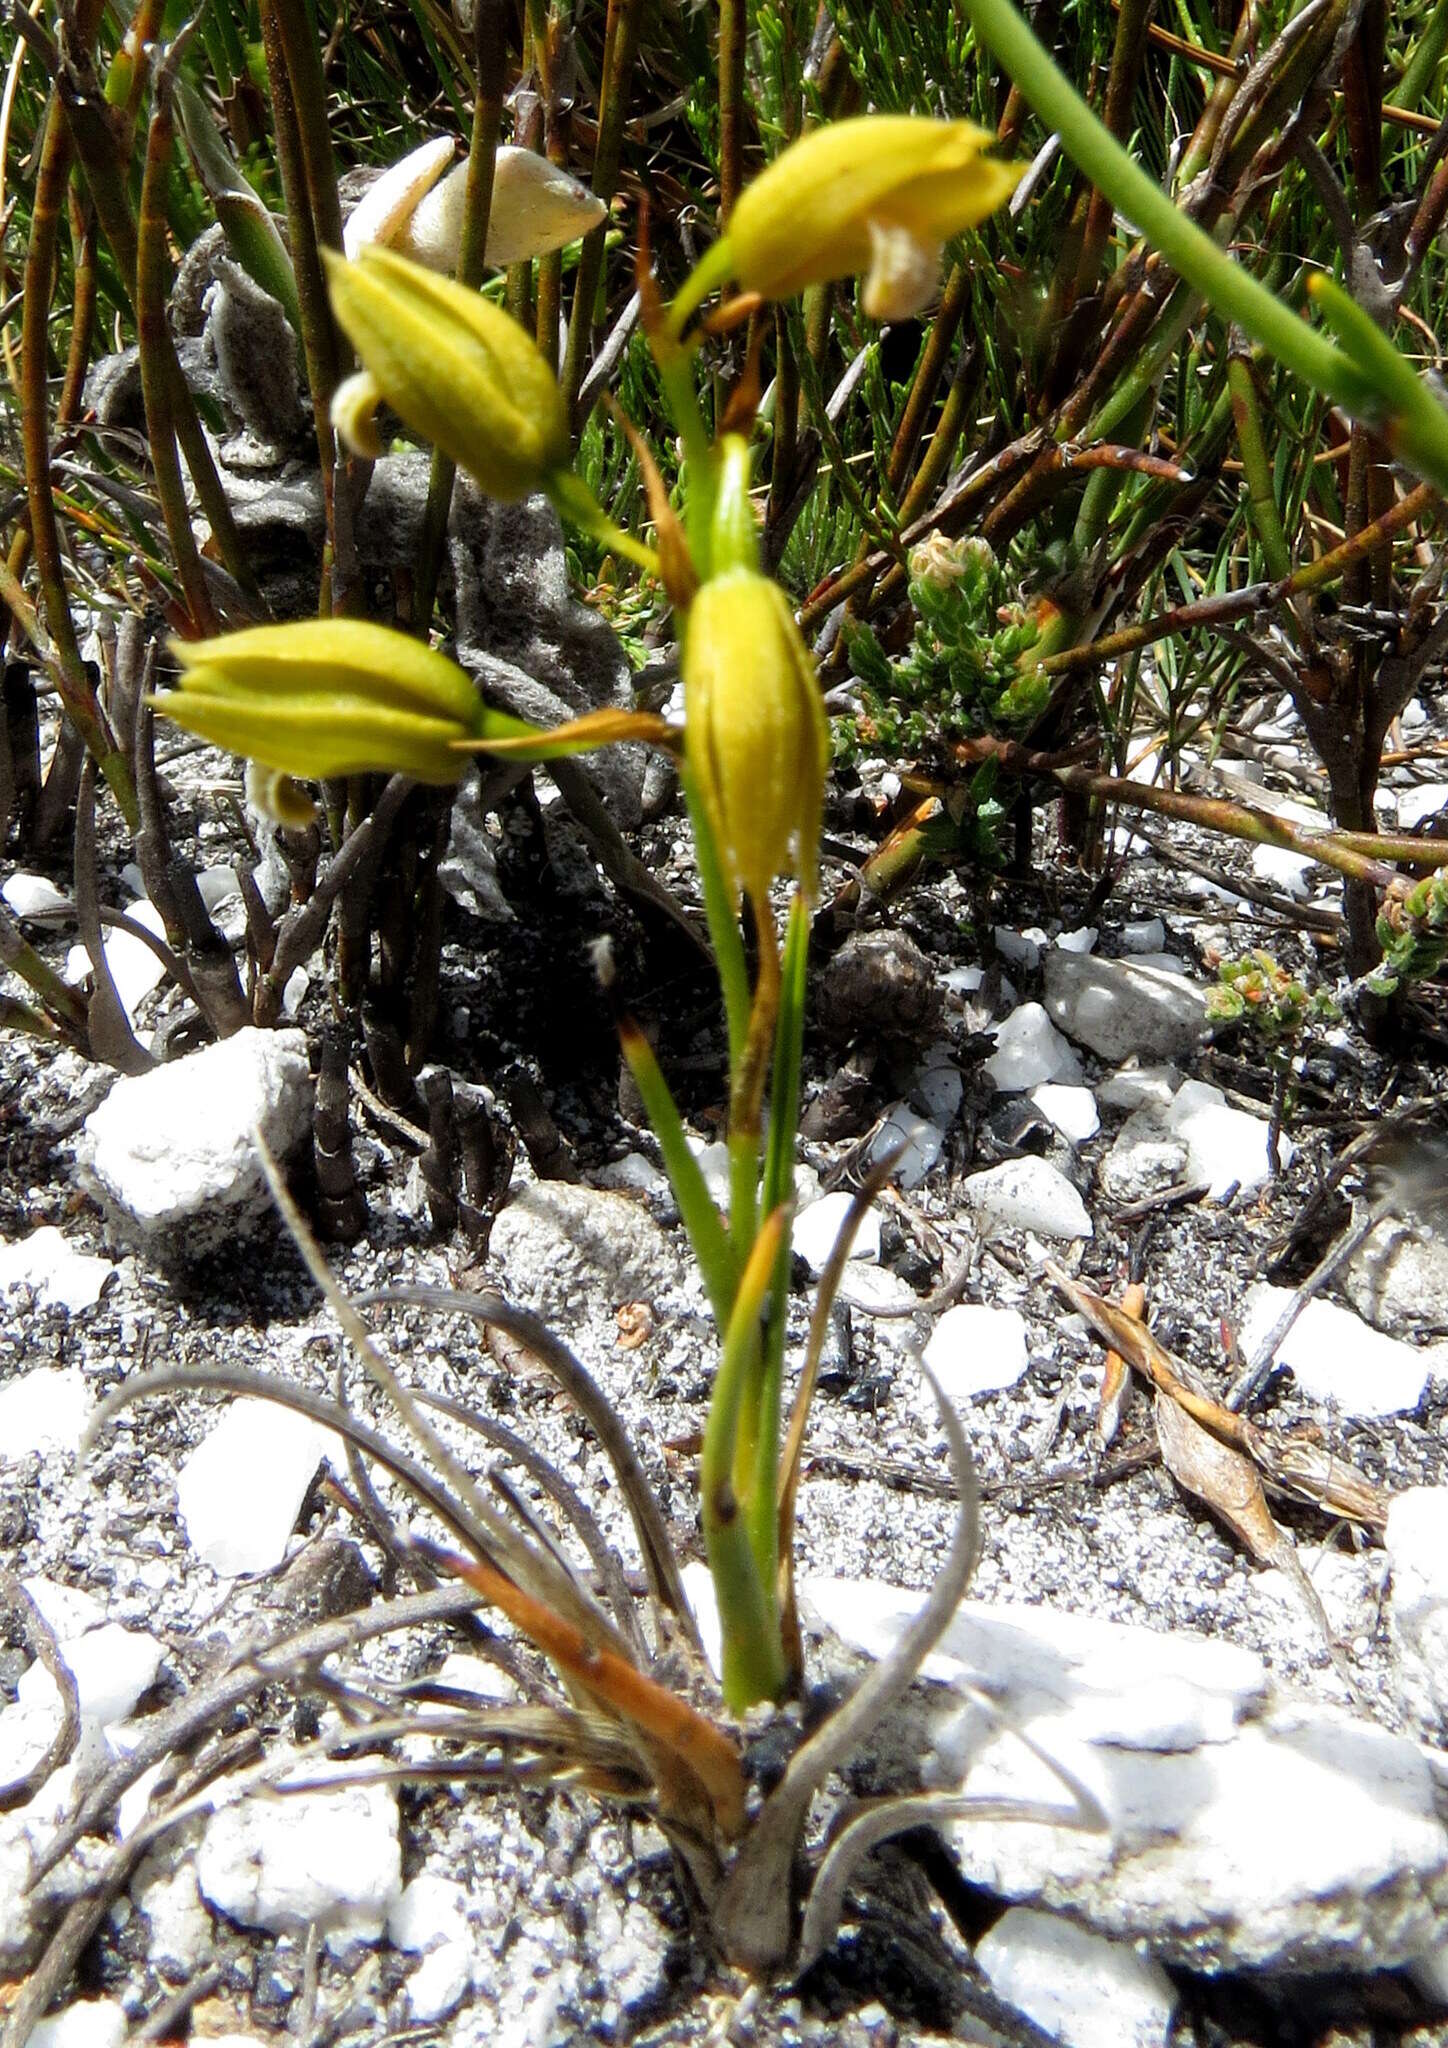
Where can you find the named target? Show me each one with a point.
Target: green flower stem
(754, 1666)
(573, 501)
(676, 374)
(1257, 466)
(1232, 291)
(707, 1236)
(777, 1198)
(713, 269)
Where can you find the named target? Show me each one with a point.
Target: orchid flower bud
(456, 368)
(755, 733)
(329, 697)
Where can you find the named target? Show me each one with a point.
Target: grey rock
(533, 648)
(1026, 1194)
(1245, 1829)
(113, 392)
(881, 987)
(560, 1246)
(170, 1154)
(1144, 1158)
(1118, 1009)
(1398, 1278)
(255, 352)
(1417, 1545)
(469, 868)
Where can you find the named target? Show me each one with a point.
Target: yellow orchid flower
(876, 196)
(455, 367)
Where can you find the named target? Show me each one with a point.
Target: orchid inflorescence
(331, 697)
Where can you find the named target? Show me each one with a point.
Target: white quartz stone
(1336, 1357)
(977, 1350)
(817, 1227)
(1087, 1991)
(44, 1411)
(241, 1489)
(1030, 1050)
(1026, 1194)
(1071, 1110)
(49, 1264)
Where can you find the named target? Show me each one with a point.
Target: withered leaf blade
(1229, 1484)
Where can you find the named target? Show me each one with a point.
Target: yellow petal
(805, 219)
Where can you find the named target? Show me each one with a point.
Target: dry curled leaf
(1229, 1484)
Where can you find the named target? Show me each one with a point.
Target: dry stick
(558, 1361)
(152, 264)
(619, 50)
(93, 136)
(1364, 856)
(110, 1033)
(490, 59)
(319, 339)
(77, 692)
(43, 1644)
(733, 33)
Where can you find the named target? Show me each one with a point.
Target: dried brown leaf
(1229, 1484)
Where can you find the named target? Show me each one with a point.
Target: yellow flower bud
(331, 697)
(877, 196)
(457, 368)
(755, 733)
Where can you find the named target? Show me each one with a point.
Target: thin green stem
(706, 1233)
(574, 502)
(1257, 466)
(754, 1665)
(777, 1198)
